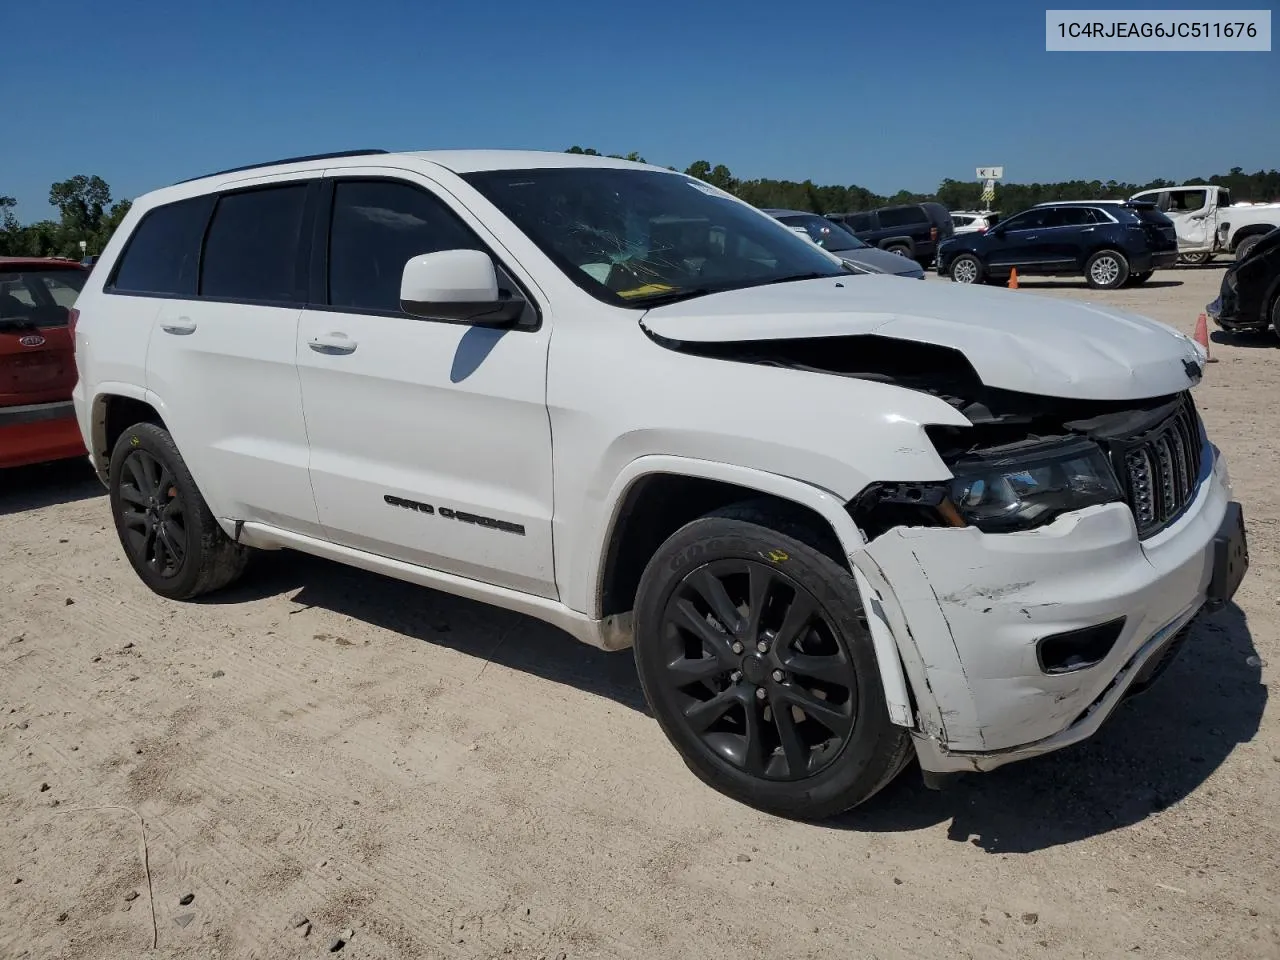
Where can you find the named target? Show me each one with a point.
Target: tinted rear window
(252, 251)
(39, 297)
(902, 216)
(860, 221)
(1151, 215)
(164, 251)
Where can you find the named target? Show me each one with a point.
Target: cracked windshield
(634, 237)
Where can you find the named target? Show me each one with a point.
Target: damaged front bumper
(981, 621)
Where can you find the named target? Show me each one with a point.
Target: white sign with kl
(991, 173)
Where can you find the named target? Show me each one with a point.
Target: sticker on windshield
(647, 289)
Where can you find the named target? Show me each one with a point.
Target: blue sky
(885, 95)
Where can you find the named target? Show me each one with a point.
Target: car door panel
(429, 440)
(223, 362)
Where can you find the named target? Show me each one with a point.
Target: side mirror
(459, 285)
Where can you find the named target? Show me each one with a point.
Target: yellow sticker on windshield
(646, 289)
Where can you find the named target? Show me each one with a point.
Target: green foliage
(85, 213)
(956, 194)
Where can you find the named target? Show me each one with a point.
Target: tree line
(86, 211)
(953, 194)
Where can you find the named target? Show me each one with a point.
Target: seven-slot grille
(1160, 469)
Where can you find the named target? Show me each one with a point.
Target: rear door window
(162, 255)
(902, 216)
(861, 221)
(252, 251)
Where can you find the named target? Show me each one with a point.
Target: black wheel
(1246, 245)
(165, 527)
(1106, 270)
(966, 268)
(754, 655)
(1138, 279)
(1195, 259)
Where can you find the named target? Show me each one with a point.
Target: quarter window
(377, 227)
(163, 254)
(252, 251)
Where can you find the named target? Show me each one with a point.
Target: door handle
(1032, 236)
(333, 343)
(180, 327)
(1088, 229)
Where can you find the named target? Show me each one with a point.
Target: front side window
(378, 226)
(162, 255)
(252, 250)
(1027, 220)
(635, 237)
(1188, 201)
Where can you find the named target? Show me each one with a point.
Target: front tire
(754, 655)
(168, 533)
(1106, 270)
(965, 268)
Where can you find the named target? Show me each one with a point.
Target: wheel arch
(1250, 230)
(117, 406)
(631, 537)
(644, 513)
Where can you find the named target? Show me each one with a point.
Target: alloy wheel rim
(756, 671)
(965, 271)
(152, 514)
(1105, 270)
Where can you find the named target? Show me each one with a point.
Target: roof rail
(272, 163)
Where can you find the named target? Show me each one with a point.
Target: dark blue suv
(1110, 244)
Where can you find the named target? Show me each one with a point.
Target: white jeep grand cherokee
(842, 518)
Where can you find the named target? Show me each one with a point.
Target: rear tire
(900, 250)
(1195, 259)
(754, 655)
(1246, 245)
(1106, 270)
(166, 529)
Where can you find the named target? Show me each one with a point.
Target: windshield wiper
(801, 276)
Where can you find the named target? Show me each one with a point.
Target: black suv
(912, 230)
(1250, 296)
(1110, 243)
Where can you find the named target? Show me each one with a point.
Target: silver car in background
(836, 240)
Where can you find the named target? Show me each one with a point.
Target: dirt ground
(448, 780)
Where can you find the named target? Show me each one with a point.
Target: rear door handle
(1088, 229)
(1033, 236)
(179, 327)
(333, 343)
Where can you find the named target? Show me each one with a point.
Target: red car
(37, 360)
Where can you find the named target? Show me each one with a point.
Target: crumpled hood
(1014, 340)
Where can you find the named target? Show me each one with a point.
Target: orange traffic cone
(1202, 337)
(1013, 279)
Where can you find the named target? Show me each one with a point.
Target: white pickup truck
(1208, 222)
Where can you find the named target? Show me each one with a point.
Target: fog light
(1078, 649)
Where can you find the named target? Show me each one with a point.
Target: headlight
(1020, 488)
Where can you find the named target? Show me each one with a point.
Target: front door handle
(333, 343)
(179, 327)
(1088, 229)
(1033, 236)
